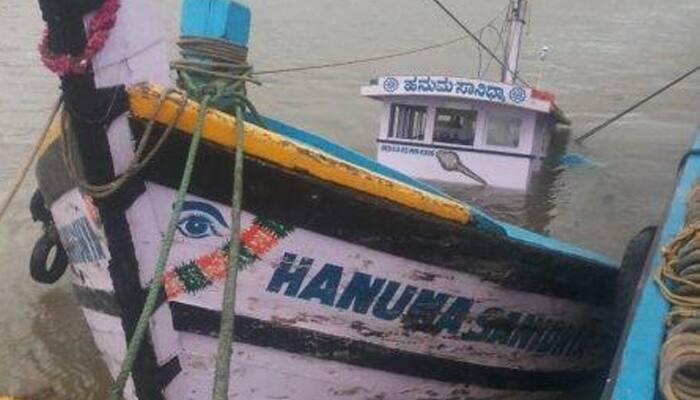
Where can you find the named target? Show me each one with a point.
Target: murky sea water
(604, 55)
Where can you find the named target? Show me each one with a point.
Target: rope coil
(142, 155)
(678, 280)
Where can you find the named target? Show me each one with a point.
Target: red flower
(259, 240)
(98, 33)
(173, 286)
(213, 265)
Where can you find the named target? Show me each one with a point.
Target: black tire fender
(37, 207)
(39, 267)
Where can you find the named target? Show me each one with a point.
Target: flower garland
(197, 274)
(98, 33)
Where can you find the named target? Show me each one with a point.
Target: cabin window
(455, 126)
(408, 122)
(503, 130)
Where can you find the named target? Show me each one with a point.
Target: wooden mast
(517, 12)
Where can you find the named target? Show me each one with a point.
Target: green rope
(228, 309)
(225, 91)
(166, 244)
(220, 64)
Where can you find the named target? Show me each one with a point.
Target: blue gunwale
(484, 221)
(637, 359)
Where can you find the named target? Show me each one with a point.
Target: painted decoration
(428, 85)
(298, 278)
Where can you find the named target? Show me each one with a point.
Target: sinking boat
(356, 281)
(469, 131)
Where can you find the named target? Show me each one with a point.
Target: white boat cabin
(499, 132)
(467, 130)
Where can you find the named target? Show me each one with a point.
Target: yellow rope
(141, 156)
(14, 188)
(678, 280)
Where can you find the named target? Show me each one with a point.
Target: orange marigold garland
(98, 33)
(195, 275)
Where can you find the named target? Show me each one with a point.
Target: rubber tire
(632, 266)
(40, 258)
(37, 207)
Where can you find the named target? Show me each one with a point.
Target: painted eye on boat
(200, 220)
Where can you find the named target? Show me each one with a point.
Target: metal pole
(515, 35)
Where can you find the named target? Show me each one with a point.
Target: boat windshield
(408, 122)
(455, 126)
(503, 130)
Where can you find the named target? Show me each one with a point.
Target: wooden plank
(222, 19)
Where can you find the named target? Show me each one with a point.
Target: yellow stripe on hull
(277, 149)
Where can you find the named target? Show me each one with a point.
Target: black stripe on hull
(91, 112)
(97, 300)
(298, 200)
(206, 322)
(105, 303)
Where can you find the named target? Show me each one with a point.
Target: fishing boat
(469, 131)
(354, 281)
(658, 353)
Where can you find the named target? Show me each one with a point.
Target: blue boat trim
(482, 221)
(638, 359)
(546, 242)
(351, 156)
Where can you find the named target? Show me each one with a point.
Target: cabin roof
(390, 88)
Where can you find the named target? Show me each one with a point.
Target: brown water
(605, 54)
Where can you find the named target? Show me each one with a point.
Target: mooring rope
(636, 105)
(363, 60)
(17, 183)
(142, 155)
(382, 57)
(214, 75)
(679, 281)
(483, 45)
(221, 65)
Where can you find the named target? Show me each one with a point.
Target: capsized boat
(658, 353)
(469, 131)
(355, 281)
